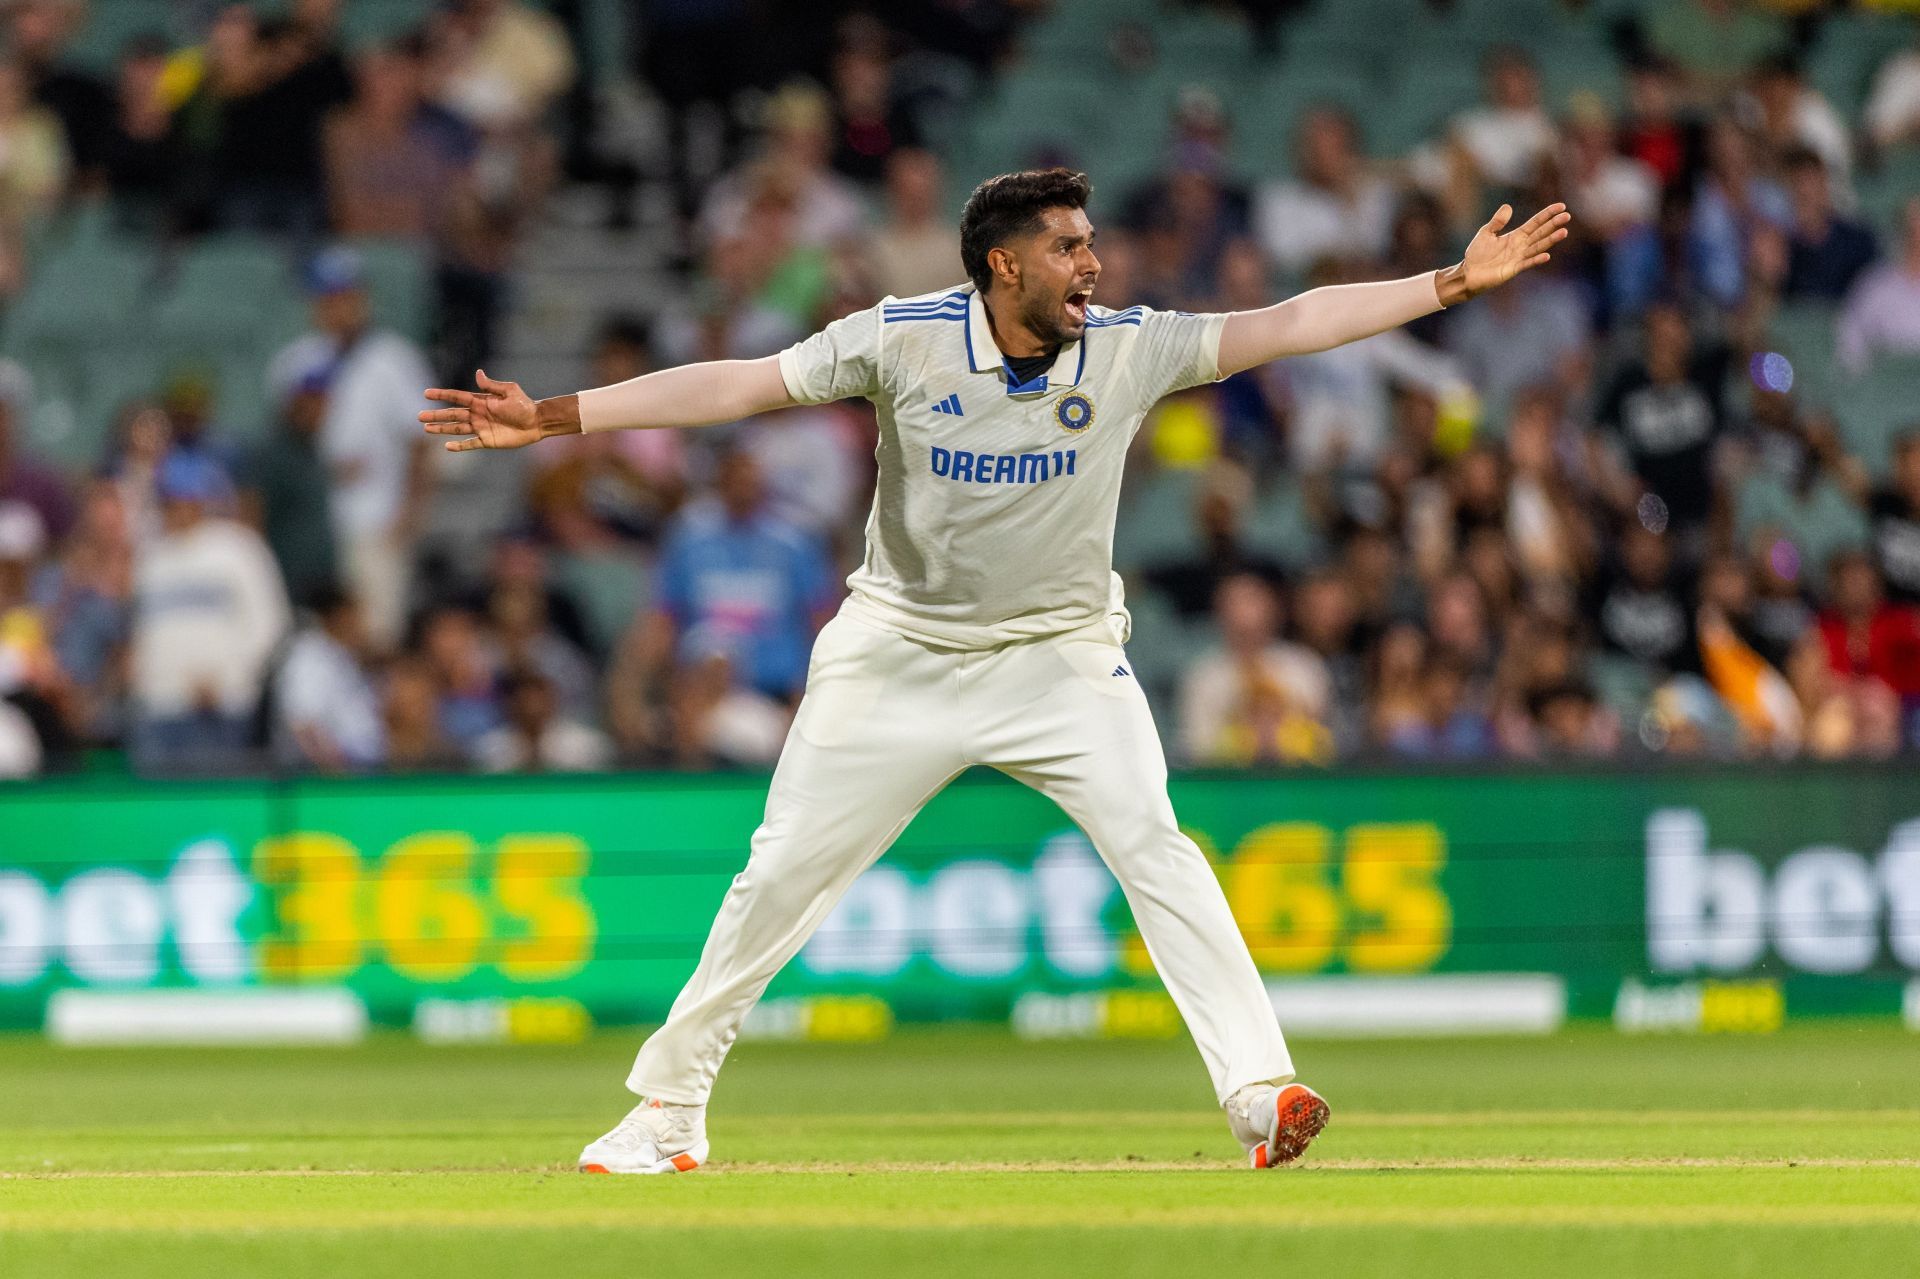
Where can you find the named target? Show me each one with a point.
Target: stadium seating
(1804, 333)
(104, 319)
(367, 22)
(1622, 684)
(1877, 406)
(399, 285)
(1268, 115)
(1281, 525)
(1162, 645)
(1882, 193)
(1851, 46)
(217, 293)
(85, 295)
(1156, 519)
(111, 26)
(611, 589)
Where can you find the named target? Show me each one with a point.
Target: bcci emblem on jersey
(1075, 413)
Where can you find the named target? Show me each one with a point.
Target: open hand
(497, 416)
(1492, 258)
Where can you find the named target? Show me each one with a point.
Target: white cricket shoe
(652, 1138)
(1276, 1124)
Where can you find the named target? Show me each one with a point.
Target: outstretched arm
(1328, 317)
(499, 415)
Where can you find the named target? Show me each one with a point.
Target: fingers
(1552, 213)
(447, 395)
(1547, 227)
(436, 417)
(492, 386)
(1547, 240)
(1500, 218)
(461, 446)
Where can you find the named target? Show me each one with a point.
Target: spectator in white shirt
(535, 738)
(1538, 332)
(1791, 114)
(1509, 135)
(1340, 402)
(209, 609)
(327, 714)
(1223, 686)
(1882, 313)
(1613, 192)
(379, 463)
(713, 719)
(20, 754)
(826, 208)
(29, 666)
(1335, 207)
(509, 61)
(1893, 108)
(916, 249)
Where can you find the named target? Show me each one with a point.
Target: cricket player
(986, 625)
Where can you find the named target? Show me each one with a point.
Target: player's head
(1025, 239)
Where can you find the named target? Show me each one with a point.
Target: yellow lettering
(1277, 887)
(317, 911)
(536, 881)
(429, 917)
(1403, 923)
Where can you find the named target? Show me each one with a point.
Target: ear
(1003, 265)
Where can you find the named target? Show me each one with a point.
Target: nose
(1088, 263)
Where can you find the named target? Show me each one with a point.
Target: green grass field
(965, 1152)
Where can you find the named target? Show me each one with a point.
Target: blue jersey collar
(983, 355)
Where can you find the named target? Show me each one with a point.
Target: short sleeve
(837, 363)
(1176, 350)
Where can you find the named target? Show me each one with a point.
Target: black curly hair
(1011, 205)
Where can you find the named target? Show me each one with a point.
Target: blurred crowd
(268, 124)
(1589, 516)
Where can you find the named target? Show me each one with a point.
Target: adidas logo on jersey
(950, 405)
(1121, 670)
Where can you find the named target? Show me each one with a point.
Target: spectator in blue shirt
(1825, 252)
(730, 570)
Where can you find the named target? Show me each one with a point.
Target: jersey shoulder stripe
(924, 299)
(948, 304)
(925, 305)
(891, 317)
(941, 300)
(1129, 316)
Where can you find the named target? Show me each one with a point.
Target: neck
(1010, 333)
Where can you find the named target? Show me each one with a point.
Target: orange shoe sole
(681, 1163)
(1300, 1114)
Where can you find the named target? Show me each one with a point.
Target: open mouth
(1077, 305)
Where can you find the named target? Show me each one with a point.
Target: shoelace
(642, 1126)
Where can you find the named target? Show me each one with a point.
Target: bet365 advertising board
(1752, 893)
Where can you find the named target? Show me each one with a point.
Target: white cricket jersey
(994, 508)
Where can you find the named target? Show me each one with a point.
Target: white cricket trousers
(885, 724)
